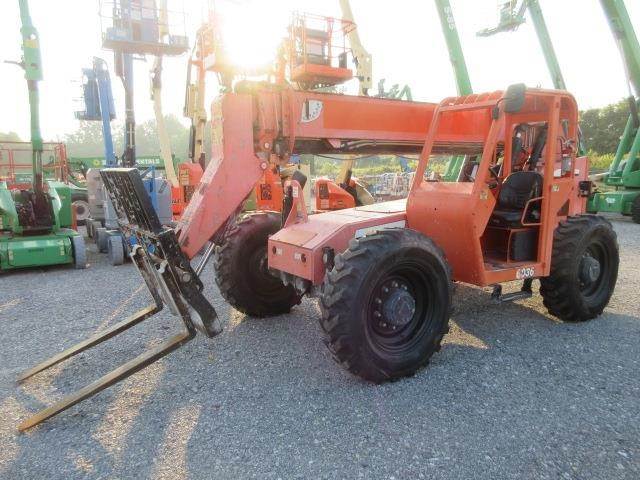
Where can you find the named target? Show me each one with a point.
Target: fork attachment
(168, 275)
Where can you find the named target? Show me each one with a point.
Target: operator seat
(517, 189)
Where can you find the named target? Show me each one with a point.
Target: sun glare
(252, 32)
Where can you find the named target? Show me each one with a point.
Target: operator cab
(512, 230)
(512, 172)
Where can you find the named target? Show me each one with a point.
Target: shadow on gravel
(224, 403)
(477, 314)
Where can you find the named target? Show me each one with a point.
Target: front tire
(242, 273)
(386, 304)
(584, 269)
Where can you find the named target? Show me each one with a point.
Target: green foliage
(602, 127)
(9, 137)
(147, 137)
(377, 170)
(599, 163)
(372, 165)
(326, 168)
(87, 141)
(437, 163)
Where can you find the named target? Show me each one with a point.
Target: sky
(404, 37)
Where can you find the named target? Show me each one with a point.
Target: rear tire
(93, 232)
(635, 209)
(584, 269)
(241, 271)
(101, 237)
(81, 204)
(115, 250)
(386, 304)
(79, 252)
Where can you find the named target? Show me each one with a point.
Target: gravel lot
(513, 393)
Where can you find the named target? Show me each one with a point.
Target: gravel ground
(513, 394)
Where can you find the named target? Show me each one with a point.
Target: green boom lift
(31, 233)
(624, 173)
(512, 15)
(460, 72)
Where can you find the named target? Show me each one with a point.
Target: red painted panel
(230, 175)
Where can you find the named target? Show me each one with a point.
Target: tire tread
(226, 272)
(338, 293)
(558, 289)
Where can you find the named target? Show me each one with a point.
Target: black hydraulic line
(538, 146)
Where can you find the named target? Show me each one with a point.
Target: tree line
(602, 127)
(87, 141)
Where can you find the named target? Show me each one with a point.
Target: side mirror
(514, 98)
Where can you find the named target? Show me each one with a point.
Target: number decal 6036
(526, 272)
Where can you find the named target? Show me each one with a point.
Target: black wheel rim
(261, 279)
(594, 270)
(401, 309)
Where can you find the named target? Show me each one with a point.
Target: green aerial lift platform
(512, 15)
(623, 178)
(31, 220)
(460, 72)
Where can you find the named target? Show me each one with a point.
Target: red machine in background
(189, 175)
(345, 192)
(16, 168)
(269, 191)
(331, 196)
(318, 51)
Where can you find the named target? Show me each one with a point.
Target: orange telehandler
(385, 272)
